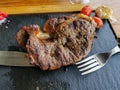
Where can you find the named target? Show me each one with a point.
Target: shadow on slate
(66, 78)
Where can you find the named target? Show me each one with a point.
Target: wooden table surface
(48, 6)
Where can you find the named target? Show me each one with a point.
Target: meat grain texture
(64, 41)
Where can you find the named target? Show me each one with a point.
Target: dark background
(66, 78)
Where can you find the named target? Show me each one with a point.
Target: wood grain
(37, 6)
(49, 6)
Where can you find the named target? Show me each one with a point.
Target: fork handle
(115, 50)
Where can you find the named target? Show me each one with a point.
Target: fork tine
(91, 70)
(84, 60)
(87, 63)
(90, 66)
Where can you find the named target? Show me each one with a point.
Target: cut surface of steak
(70, 39)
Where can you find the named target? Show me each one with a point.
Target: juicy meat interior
(64, 41)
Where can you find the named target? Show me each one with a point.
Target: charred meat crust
(70, 40)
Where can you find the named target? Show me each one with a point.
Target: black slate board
(66, 78)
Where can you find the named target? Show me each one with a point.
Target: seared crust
(22, 37)
(70, 40)
(23, 34)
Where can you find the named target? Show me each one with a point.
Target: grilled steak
(65, 40)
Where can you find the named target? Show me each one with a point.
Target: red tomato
(98, 21)
(86, 10)
(3, 15)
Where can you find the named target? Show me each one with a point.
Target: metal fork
(95, 61)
